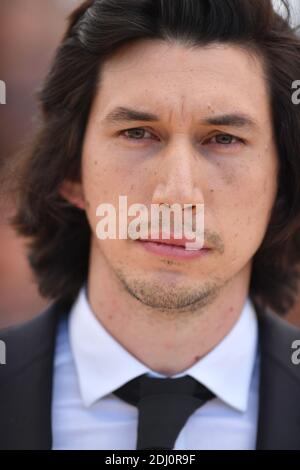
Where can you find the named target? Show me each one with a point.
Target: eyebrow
(234, 120)
(123, 114)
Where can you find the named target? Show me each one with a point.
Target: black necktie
(164, 406)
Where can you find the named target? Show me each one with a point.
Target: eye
(224, 139)
(137, 133)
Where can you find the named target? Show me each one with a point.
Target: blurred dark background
(30, 31)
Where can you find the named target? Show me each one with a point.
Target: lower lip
(171, 251)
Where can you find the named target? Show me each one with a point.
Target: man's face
(211, 144)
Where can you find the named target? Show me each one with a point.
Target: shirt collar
(103, 364)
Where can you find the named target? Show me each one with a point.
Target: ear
(72, 191)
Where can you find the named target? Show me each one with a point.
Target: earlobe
(73, 193)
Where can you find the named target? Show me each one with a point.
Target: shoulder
(26, 382)
(29, 341)
(278, 340)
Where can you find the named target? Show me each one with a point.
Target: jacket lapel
(26, 383)
(279, 410)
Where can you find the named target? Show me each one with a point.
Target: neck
(167, 344)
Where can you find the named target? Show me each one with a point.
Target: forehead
(173, 76)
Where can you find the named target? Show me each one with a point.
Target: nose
(178, 176)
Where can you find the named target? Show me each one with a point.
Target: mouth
(173, 248)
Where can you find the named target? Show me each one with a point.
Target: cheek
(107, 174)
(257, 194)
(105, 181)
(243, 207)
(101, 180)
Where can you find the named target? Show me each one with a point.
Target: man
(166, 102)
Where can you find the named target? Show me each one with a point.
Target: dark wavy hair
(60, 233)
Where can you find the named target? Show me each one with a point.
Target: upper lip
(172, 241)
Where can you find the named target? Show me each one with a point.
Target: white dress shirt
(90, 364)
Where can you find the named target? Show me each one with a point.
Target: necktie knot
(144, 385)
(164, 406)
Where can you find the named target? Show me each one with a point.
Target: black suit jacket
(26, 384)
